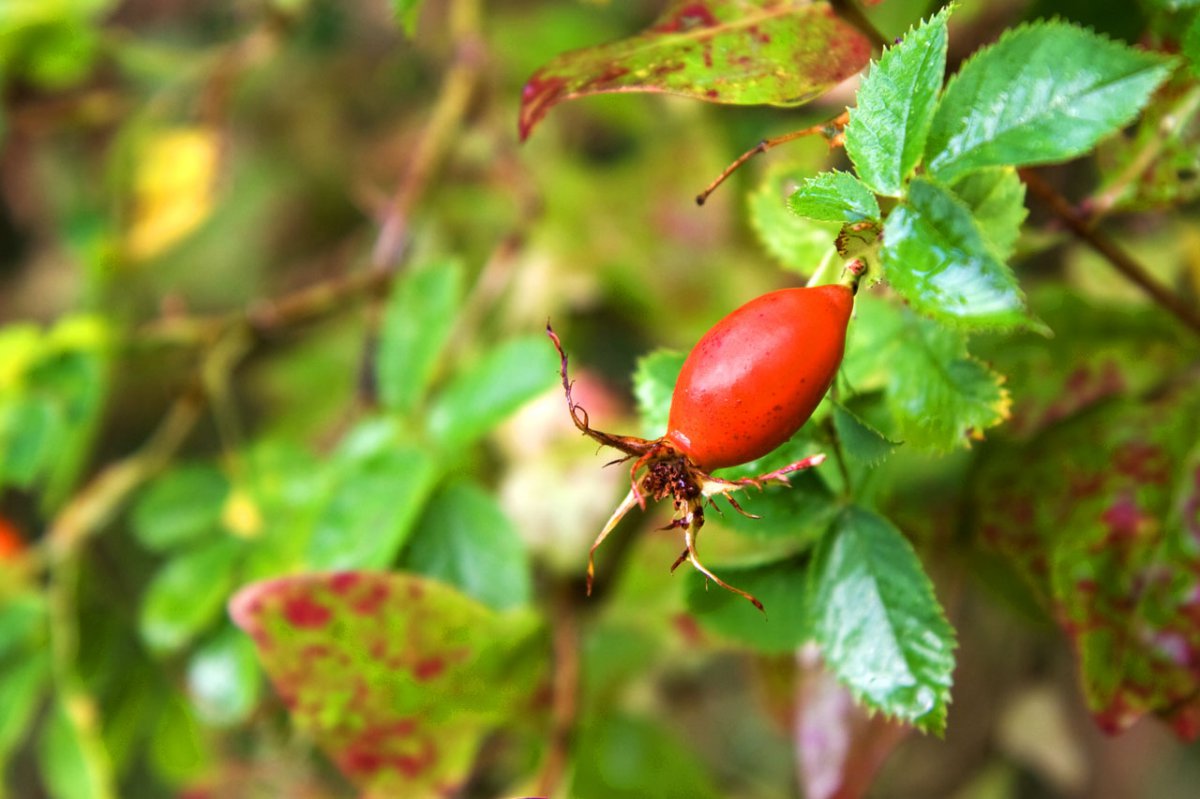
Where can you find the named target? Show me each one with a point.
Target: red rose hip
(755, 377)
(750, 383)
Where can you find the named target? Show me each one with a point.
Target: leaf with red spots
(741, 52)
(397, 677)
(1100, 513)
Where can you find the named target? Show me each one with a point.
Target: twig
(1121, 260)
(565, 690)
(76, 704)
(101, 498)
(439, 133)
(831, 130)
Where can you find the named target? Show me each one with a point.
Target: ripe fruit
(755, 377)
(750, 383)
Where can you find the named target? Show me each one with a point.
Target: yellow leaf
(172, 189)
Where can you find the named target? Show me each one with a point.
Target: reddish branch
(1111, 251)
(831, 130)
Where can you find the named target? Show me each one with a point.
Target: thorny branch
(1111, 251)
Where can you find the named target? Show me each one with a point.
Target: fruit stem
(852, 275)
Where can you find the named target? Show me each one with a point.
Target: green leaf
(938, 394)
(465, 539)
(223, 679)
(653, 386)
(834, 197)
(30, 429)
(419, 318)
(745, 52)
(380, 484)
(396, 677)
(407, 13)
(800, 245)
(780, 586)
(1191, 45)
(1043, 93)
(187, 594)
(936, 258)
(488, 392)
(996, 198)
(859, 440)
(22, 688)
(22, 623)
(633, 758)
(73, 763)
(180, 507)
(878, 623)
(178, 750)
(888, 127)
(799, 512)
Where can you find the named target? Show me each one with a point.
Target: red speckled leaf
(395, 676)
(743, 52)
(1102, 513)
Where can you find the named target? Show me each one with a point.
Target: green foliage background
(273, 280)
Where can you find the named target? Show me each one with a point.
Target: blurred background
(217, 221)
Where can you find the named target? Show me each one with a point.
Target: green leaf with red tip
(395, 676)
(878, 623)
(1101, 512)
(888, 126)
(743, 52)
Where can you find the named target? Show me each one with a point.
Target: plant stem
(840, 456)
(564, 616)
(831, 130)
(1121, 260)
(391, 243)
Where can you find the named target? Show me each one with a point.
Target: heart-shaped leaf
(743, 52)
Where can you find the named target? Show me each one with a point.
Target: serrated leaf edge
(1021, 30)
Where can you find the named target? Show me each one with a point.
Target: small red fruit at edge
(750, 382)
(755, 377)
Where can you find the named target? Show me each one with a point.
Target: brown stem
(831, 130)
(1121, 260)
(101, 498)
(449, 109)
(565, 697)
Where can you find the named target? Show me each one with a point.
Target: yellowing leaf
(172, 189)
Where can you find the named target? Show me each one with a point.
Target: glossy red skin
(756, 377)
